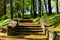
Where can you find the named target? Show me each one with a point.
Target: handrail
(53, 34)
(42, 24)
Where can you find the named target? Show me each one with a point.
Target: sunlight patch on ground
(35, 36)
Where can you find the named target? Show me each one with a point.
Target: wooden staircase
(26, 30)
(31, 29)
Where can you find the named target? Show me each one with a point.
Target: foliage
(37, 20)
(4, 23)
(27, 16)
(4, 20)
(44, 16)
(54, 20)
(5, 17)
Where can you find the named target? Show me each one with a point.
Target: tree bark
(4, 7)
(49, 7)
(57, 10)
(35, 14)
(31, 9)
(23, 9)
(17, 11)
(11, 9)
(45, 5)
(39, 8)
(34, 10)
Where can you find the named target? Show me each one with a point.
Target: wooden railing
(42, 24)
(53, 33)
(11, 27)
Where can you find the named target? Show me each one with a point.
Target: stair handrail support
(42, 24)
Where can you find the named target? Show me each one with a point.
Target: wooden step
(29, 33)
(4, 36)
(30, 28)
(27, 30)
(26, 20)
(36, 37)
(24, 37)
(29, 24)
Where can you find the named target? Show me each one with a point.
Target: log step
(28, 24)
(23, 30)
(30, 28)
(29, 33)
(26, 20)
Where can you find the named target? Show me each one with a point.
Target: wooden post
(42, 24)
(11, 28)
(52, 35)
(47, 33)
(10, 31)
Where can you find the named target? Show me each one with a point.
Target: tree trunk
(57, 10)
(49, 7)
(35, 13)
(17, 8)
(23, 9)
(39, 8)
(4, 7)
(17, 11)
(11, 9)
(45, 5)
(31, 9)
(34, 10)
